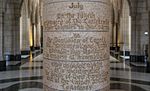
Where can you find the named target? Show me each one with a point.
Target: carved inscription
(80, 20)
(76, 6)
(73, 76)
(46, 88)
(76, 47)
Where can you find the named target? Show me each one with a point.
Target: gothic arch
(130, 6)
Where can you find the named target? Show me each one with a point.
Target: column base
(25, 52)
(112, 48)
(2, 65)
(127, 53)
(32, 48)
(115, 48)
(37, 48)
(46, 88)
(137, 58)
(13, 57)
(148, 67)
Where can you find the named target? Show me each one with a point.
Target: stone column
(148, 61)
(124, 30)
(139, 25)
(25, 31)
(38, 29)
(16, 37)
(1, 28)
(2, 62)
(12, 32)
(38, 36)
(76, 45)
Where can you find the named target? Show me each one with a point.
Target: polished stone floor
(27, 76)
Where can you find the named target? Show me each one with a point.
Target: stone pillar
(1, 30)
(139, 25)
(38, 29)
(1, 36)
(148, 61)
(124, 38)
(76, 45)
(2, 62)
(16, 37)
(12, 32)
(25, 31)
(38, 36)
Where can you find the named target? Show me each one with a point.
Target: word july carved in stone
(76, 6)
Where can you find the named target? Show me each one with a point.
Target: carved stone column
(76, 45)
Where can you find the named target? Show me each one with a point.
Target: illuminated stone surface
(76, 45)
